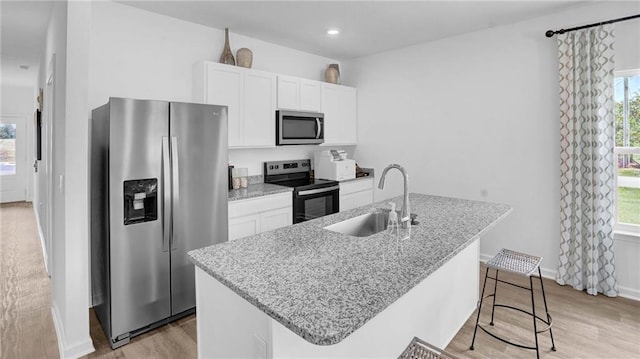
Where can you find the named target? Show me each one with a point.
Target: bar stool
(419, 349)
(523, 264)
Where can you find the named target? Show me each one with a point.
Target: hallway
(26, 324)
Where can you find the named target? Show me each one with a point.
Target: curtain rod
(550, 33)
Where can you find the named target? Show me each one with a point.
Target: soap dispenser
(393, 219)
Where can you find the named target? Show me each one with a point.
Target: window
(7, 149)
(627, 151)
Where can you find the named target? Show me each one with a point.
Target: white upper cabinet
(250, 96)
(259, 109)
(340, 114)
(300, 94)
(288, 93)
(310, 96)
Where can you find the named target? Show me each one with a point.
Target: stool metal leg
(533, 308)
(546, 309)
(475, 329)
(495, 294)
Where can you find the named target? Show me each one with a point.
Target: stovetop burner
(296, 174)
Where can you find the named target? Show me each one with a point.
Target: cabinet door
(347, 202)
(259, 109)
(363, 198)
(354, 200)
(288, 90)
(224, 87)
(244, 226)
(310, 95)
(340, 121)
(276, 218)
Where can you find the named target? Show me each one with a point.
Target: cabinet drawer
(354, 200)
(256, 205)
(356, 186)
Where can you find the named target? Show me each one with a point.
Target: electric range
(312, 198)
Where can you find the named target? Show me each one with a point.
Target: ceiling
(367, 27)
(22, 38)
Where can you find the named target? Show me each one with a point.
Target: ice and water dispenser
(140, 201)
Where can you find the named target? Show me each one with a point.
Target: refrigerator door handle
(166, 195)
(175, 188)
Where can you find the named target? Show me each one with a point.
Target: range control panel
(286, 167)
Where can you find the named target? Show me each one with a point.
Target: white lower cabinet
(255, 215)
(356, 193)
(244, 226)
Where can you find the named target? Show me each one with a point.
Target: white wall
(56, 46)
(139, 54)
(67, 47)
(17, 100)
(75, 184)
(476, 116)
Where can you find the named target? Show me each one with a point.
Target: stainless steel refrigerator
(158, 190)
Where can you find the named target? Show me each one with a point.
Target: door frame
(21, 147)
(47, 120)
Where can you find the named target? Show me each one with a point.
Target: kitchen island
(304, 291)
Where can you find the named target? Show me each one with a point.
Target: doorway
(12, 159)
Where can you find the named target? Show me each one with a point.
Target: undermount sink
(363, 225)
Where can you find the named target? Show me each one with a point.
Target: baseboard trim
(57, 324)
(79, 350)
(74, 351)
(624, 292)
(42, 243)
(629, 293)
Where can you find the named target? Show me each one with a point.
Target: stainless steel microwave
(299, 128)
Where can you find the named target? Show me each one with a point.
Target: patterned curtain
(587, 162)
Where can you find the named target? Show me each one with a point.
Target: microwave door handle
(318, 128)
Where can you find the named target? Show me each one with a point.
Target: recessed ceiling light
(333, 32)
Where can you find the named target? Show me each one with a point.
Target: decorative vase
(227, 55)
(332, 74)
(244, 57)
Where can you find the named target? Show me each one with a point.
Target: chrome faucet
(405, 212)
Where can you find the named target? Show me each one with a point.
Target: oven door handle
(319, 190)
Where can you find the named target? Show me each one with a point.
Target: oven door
(314, 203)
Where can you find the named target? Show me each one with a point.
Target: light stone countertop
(357, 179)
(256, 190)
(324, 285)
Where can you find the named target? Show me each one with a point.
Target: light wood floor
(26, 327)
(584, 326)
